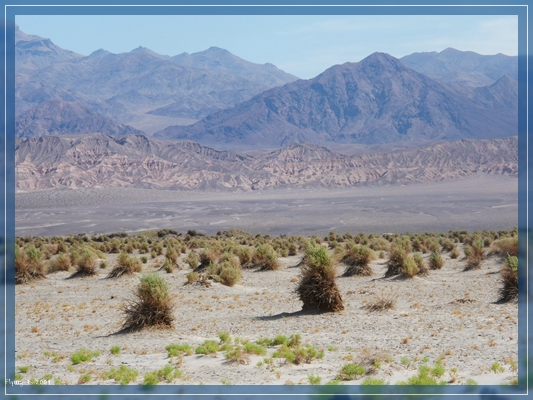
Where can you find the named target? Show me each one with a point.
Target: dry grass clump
(357, 258)
(84, 259)
(28, 264)
(265, 258)
(509, 281)
(382, 302)
(153, 306)
(422, 268)
(410, 267)
(60, 263)
(435, 260)
(207, 257)
(508, 245)
(317, 288)
(230, 273)
(474, 256)
(126, 265)
(396, 260)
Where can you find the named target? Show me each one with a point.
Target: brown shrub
(357, 259)
(28, 265)
(126, 265)
(153, 306)
(317, 288)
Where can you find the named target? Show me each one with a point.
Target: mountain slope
(141, 88)
(463, 67)
(222, 61)
(139, 161)
(55, 117)
(377, 100)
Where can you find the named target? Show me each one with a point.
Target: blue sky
(303, 45)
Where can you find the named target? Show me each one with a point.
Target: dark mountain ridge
(377, 100)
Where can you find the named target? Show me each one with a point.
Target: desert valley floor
(450, 314)
(479, 202)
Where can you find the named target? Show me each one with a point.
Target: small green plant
(85, 378)
(175, 350)
(165, 374)
(23, 370)
(314, 379)
(497, 368)
(207, 347)
(425, 359)
(405, 361)
(225, 382)
(122, 375)
(423, 378)
(334, 382)
(83, 355)
(470, 382)
(350, 372)
(254, 349)
(438, 369)
(224, 337)
(333, 348)
(115, 350)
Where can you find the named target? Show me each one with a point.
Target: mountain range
(99, 160)
(377, 100)
(140, 88)
(220, 100)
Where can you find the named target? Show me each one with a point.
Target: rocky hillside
(138, 161)
(140, 88)
(378, 100)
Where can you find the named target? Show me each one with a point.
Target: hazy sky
(302, 45)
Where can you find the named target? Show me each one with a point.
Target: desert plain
(450, 314)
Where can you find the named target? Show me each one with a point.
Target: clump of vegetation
(153, 306)
(207, 257)
(317, 288)
(229, 274)
(509, 280)
(454, 254)
(265, 258)
(357, 258)
(435, 260)
(506, 246)
(122, 375)
(28, 265)
(397, 258)
(165, 374)
(208, 347)
(84, 259)
(410, 267)
(382, 302)
(115, 350)
(60, 263)
(83, 355)
(424, 377)
(298, 354)
(126, 265)
(175, 350)
(350, 372)
(422, 268)
(474, 256)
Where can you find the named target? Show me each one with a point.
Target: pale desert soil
(481, 202)
(449, 314)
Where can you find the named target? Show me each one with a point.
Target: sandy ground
(480, 202)
(449, 314)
